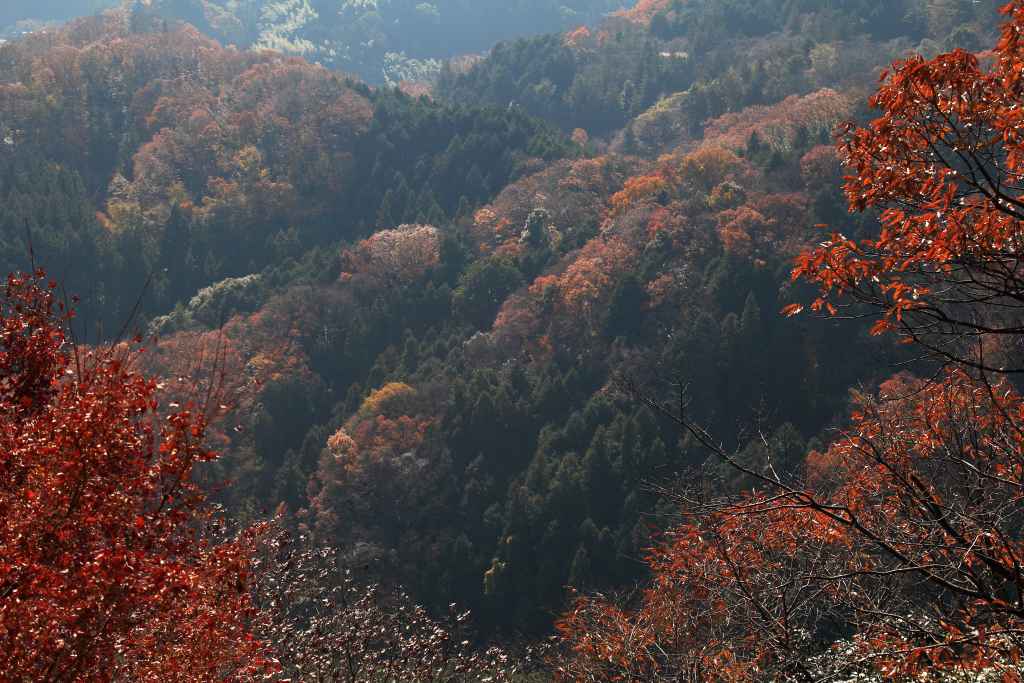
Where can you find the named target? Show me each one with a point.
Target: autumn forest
(529, 341)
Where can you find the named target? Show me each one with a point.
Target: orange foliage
(555, 304)
(588, 278)
(391, 399)
(941, 163)
(239, 360)
(638, 189)
(391, 421)
(674, 176)
(542, 284)
(738, 228)
(644, 10)
(660, 288)
(766, 225)
(577, 37)
(382, 436)
(519, 325)
(578, 292)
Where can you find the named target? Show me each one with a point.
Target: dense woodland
(699, 60)
(516, 346)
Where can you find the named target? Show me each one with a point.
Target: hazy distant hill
(12, 11)
(382, 39)
(377, 40)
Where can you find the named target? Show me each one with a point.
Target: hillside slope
(426, 310)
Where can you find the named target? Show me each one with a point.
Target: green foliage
(46, 217)
(420, 157)
(713, 56)
(483, 288)
(598, 91)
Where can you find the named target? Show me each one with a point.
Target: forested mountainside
(446, 328)
(381, 40)
(703, 58)
(140, 149)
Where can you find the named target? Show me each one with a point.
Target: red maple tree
(942, 164)
(107, 567)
